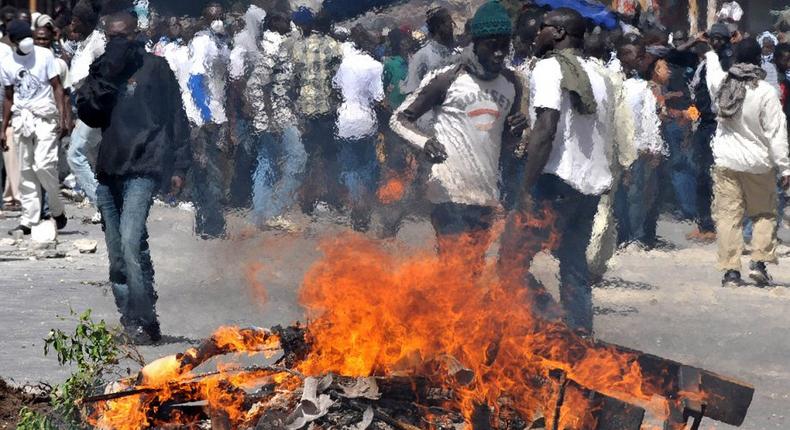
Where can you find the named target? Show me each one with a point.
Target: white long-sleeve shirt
(755, 139)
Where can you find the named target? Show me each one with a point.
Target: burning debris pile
(414, 342)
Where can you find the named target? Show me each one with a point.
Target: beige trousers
(737, 195)
(38, 157)
(12, 170)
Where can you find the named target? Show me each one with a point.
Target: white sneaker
(96, 218)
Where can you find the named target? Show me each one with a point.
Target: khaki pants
(12, 170)
(38, 157)
(738, 194)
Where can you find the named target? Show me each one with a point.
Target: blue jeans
(276, 180)
(574, 214)
(681, 168)
(359, 176)
(84, 147)
(124, 203)
(636, 204)
(322, 170)
(210, 173)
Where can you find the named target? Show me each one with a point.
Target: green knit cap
(491, 19)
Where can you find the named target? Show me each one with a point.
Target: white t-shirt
(5, 50)
(469, 123)
(359, 81)
(30, 75)
(579, 151)
(647, 123)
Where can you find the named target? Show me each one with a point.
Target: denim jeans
(210, 179)
(83, 149)
(703, 158)
(244, 163)
(276, 180)
(124, 203)
(574, 214)
(463, 233)
(681, 169)
(636, 204)
(359, 175)
(322, 170)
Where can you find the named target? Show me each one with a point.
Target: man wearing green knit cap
(476, 106)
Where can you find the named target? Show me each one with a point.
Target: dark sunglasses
(543, 25)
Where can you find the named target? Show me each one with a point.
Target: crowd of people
(282, 111)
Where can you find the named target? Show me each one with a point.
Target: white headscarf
(767, 36)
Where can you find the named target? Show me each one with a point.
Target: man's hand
(785, 182)
(517, 123)
(435, 151)
(3, 142)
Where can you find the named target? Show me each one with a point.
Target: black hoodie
(145, 130)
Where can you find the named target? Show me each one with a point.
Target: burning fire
(376, 312)
(465, 324)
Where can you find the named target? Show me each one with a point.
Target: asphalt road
(667, 302)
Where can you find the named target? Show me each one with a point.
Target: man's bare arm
(540, 145)
(62, 103)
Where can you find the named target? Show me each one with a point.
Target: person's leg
(311, 186)
(244, 166)
(83, 147)
(109, 200)
(138, 194)
(263, 179)
(575, 213)
(651, 192)
(761, 207)
(621, 214)
(681, 169)
(638, 197)
(463, 234)
(704, 166)
(29, 188)
(208, 184)
(728, 211)
(13, 169)
(358, 175)
(603, 239)
(292, 162)
(46, 164)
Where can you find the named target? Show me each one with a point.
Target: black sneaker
(25, 230)
(759, 273)
(139, 334)
(61, 221)
(153, 331)
(732, 279)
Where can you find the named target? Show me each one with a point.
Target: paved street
(667, 302)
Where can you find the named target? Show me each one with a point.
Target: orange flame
(378, 313)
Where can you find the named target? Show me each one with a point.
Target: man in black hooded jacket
(134, 98)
